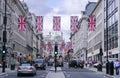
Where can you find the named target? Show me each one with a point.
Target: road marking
(3, 75)
(43, 76)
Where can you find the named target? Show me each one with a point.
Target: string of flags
(50, 46)
(57, 23)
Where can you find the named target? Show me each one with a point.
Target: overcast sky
(63, 8)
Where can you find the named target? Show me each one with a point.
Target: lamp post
(4, 39)
(107, 64)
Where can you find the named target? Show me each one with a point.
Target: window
(1, 20)
(116, 3)
(104, 3)
(112, 43)
(116, 41)
(116, 16)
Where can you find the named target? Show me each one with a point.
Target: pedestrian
(116, 66)
(86, 63)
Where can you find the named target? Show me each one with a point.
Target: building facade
(80, 37)
(53, 38)
(19, 44)
(112, 48)
(95, 38)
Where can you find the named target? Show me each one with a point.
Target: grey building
(113, 29)
(19, 44)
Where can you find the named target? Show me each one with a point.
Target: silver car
(26, 68)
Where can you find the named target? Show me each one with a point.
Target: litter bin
(12, 67)
(99, 67)
(107, 67)
(111, 68)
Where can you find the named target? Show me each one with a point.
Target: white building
(53, 38)
(79, 38)
(95, 38)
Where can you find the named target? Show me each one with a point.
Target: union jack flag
(56, 43)
(68, 46)
(56, 23)
(49, 47)
(92, 23)
(74, 23)
(62, 46)
(21, 23)
(42, 45)
(39, 23)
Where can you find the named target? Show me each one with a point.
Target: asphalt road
(39, 74)
(81, 73)
(68, 72)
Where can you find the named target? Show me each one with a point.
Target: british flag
(21, 23)
(68, 46)
(56, 23)
(91, 23)
(62, 46)
(74, 23)
(42, 45)
(39, 23)
(50, 48)
(56, 43)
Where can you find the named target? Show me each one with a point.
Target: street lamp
(107, 62)
(4, 39)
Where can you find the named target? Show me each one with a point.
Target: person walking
(117, 65)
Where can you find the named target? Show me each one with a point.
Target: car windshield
(39, 61)
(27, 64)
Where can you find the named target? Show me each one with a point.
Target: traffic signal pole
(4, 40)
(55, 62)
(55, 54)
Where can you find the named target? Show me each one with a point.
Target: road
(68, 72)
(40, 74)
(81, 73)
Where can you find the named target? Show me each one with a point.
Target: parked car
(95, 65)
(26, 68)
(50, 62)
(80, 64)
(40, 63)
(73, 63)
(60, 63)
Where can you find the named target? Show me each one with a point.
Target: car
(73, 63)
(50, 62)
(80, 64)
(60, 63)
(95, 65)
(26, 68)
(40, 64)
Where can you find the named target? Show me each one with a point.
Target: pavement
(7, 70)
(53, 74)
(104, 72)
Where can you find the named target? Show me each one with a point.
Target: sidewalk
(103, 72)
(7, 70)
(57, 74)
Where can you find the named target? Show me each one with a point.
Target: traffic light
(56, 50)
(4, 36)
(101, 52)
(4, 50)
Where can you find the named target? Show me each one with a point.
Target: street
(68, 73)
(40, 74)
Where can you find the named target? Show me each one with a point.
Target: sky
(63, 8)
